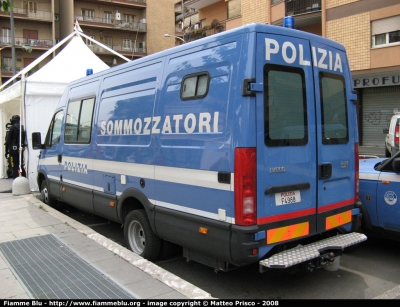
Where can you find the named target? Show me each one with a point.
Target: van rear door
(336, 130)
(286, 138)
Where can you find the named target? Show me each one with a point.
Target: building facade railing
(31, 14)
(19, 41)
(118, 48)
(8, 69)
(296, 7)
(215, 27)
(114, 23)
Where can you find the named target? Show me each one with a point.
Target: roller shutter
(378, 106)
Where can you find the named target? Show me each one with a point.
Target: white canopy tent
(40, 94)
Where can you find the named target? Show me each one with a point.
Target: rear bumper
(237, 245)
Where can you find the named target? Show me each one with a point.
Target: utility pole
(12, 39)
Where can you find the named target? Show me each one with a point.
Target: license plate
(287, 198)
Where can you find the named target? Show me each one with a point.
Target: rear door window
(334, 109)
(285, 106)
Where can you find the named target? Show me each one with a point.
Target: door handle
(325, 171)
(59, 158)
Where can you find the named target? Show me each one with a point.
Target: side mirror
(37, 140)
(396, 165)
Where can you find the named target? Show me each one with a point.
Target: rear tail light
(357, 169)
(396, 135)
(245, 187)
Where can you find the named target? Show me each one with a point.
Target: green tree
(6, 5)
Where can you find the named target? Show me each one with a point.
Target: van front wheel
(46, 198)
(139, 237)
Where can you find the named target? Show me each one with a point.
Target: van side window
(54, 133)
(334, 109)
(285, 106)
(78, 125)
(195, 86)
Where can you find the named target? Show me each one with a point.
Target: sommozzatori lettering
(76, 167)
(292, 53)
(190, 123)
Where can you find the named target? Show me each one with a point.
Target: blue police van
(379, 192)
(237, 147)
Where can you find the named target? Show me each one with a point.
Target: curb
(171, 280)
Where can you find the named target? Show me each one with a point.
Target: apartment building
(133, 28)
(369, 29)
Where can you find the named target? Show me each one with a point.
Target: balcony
(126, 51)
(296, 7)
(126, 3)
(215, 27)
(111, 23)
(19, 41)
(30, 14)
(178, 17)
(199, 4)
(6, 71)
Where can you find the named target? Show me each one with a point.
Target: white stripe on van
(393, 177)
(194, 177)
(194, 211)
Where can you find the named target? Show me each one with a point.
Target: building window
(234, 8)
(385, 39)
(385, 31)
(89, 42)
(6, 36)
(32, 6)
(87, 14)
(108, 41)
(394, 37)
(127, 44)
(7, 64)
(107, 17)
(128, 18)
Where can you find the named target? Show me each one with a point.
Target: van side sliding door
(77, 174)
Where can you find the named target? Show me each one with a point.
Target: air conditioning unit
(117, 15)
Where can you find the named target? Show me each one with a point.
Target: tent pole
(22, 123)
(37, 61)
(104, 46)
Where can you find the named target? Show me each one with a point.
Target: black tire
(46, 197)
(387, 153)
(139, 236)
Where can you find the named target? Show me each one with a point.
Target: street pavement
(25, 216)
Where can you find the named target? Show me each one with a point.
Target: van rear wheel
(139, 236)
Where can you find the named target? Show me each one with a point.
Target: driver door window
(54, 133)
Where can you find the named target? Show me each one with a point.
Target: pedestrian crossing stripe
(337, 220)
(288, 232)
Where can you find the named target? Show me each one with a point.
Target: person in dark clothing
(12, 152)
